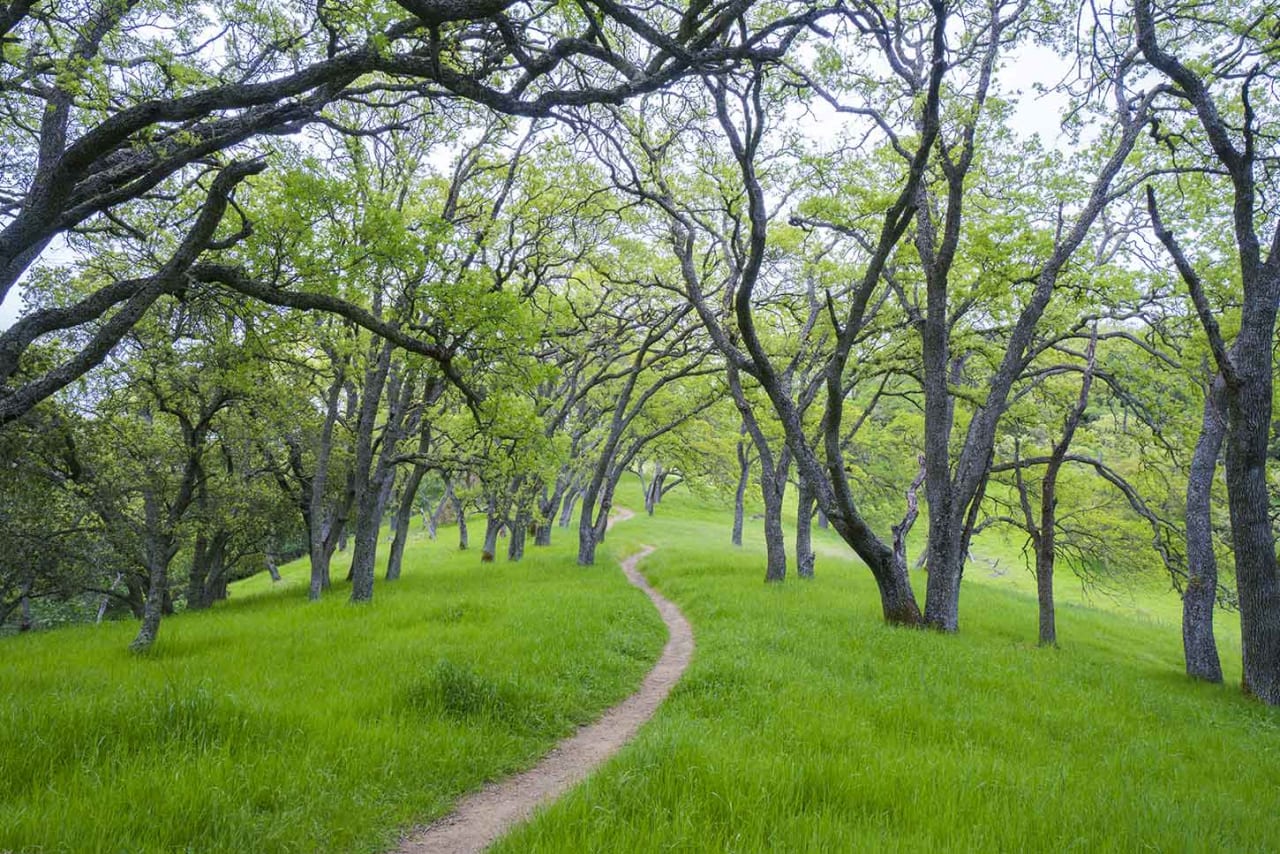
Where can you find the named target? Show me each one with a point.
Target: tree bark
(804, 531)
(460, 511)
(1248, 435)
(1200, 595)
(207, 581)
(566, 512)
(740, 494)
(493, 524)
(548, 508)
(159, 551)
(519, 533)
(1246, 369)
(773, 485)
(366, 476)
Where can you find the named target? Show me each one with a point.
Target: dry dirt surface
(482, 817)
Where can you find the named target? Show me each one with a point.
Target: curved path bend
(482, 817)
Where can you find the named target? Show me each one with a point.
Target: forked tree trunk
(548, 508)
(594, 523)
(566, 512)
(207, 581)
(522, 516)
(519, 532)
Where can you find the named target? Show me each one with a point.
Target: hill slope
(804, 723)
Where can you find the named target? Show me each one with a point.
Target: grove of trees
(293, 276)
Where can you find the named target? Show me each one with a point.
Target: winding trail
(482, 817)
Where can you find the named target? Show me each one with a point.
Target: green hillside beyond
(803, 724)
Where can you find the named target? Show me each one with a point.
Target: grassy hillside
(804, 723)
(273, 724)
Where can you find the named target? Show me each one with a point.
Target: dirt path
(481, 818)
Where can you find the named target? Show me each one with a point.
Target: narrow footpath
(482, 817)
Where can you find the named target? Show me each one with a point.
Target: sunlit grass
(272, 724)
(806, 724)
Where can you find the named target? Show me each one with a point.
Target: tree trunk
(199, 568)
(653, 494)
(1200, 596)
(597, 501)
(548, 508)
(594, 519)
(804, 531)
(462, 521)
(106, 600)
(519, 531)
(207, 582)
(25, 623)
(153, 609)
(566, 511)
(823, 524)
(374, 478)
(740, 496)
(1248, 435)
(1044, 587)
(492, 525)
(773, 485)
(587, 544)
(403, 517)
(272, 569)
(368, 525)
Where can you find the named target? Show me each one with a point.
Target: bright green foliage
(238, 732)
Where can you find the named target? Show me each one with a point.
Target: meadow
(803, 724)
(806, 724)
(274, 724)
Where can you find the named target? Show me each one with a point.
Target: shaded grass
(272, 724)
(806, 724)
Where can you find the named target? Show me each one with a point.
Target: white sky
(10, 308)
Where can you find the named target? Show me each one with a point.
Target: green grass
(803, 724)
(806, 724)
(273, 724)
